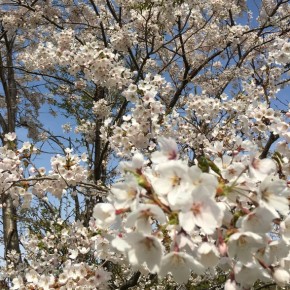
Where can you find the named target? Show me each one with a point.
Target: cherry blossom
(172, 168)
(180, 264)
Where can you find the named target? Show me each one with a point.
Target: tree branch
(131, 282)
(268, 145)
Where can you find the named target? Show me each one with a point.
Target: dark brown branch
(3, 124)
(3, 34)
(131, 282)
(190, 77)
(268, 145)
(113, 12)
(53, 77)
(49, 20)
(101, 23)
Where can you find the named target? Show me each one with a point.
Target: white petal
(145, 249)
(120, 244)
(281, 277)
(259, 220)
(180, 265)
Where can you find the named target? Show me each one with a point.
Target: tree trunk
(98, 166)
(8, 124)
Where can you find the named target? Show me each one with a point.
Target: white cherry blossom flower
(202, 212)
(126, 194)
(144, 250)
(170, 175)
(180, 265)
(10, 136)
(231, 285)
(136, 163)
(142, 217)
(26, 145)
(102, 276)
(172, 183)
(246, 275)
(104, 213)
(120, 244)
(73, 253)
(242, 246)
(208, 255)
(168, 150)
(274, 252)
(274, 194)
(45, 281)
(281, 277)
(32, 276)
(17, 283)
(202, 183)
(261, 168)
(259, 220)
(63, 277)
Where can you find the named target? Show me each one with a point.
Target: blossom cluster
(66, 172)
(101, 66)
(135, 76)
(65, 248)
(165, 217)
(170, 218)
(11, 172)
